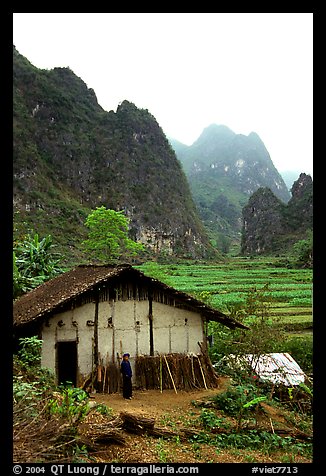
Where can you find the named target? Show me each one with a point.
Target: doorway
(67, 362)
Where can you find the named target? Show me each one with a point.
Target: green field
(228, 283)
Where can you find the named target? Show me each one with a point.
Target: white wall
(123, 326)
(129, 331)
(171, 331)
(82, 333)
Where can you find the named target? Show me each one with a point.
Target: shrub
(30, 351)
(210, 421)
(301, 349)
(72, 404)
(103, 409)
(235, 398)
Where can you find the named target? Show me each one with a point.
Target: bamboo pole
(99, 369)
(161, 374)
(272, 425)
(202, 372)
(105, 370)
(170, 373)
(99, 373)
(192, 369)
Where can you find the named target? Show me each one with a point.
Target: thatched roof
(47, 298)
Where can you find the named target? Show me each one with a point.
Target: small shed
(93, 314)
(278, 368)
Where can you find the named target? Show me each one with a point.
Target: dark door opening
(67, 362)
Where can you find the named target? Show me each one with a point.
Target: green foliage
(238, 399)
(263, 336)
(72, 404)
(103, 409)
(31, 383)
(282, 301)
(80, 454)
(302, 251)
(250, 439)
(306, 389)
(254, 402)
(33, 263)
(29, 352)
(27, 391)
(301, 349)
(108, 239)
(70, 156)
(267, 442)
(162, 451)
(210, 420)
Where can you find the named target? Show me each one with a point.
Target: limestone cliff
(71, 156)
(224, 169)
(271, 226)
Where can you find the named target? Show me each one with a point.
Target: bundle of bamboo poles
(175, 371)
(105, 378)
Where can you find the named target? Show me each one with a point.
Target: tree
(108, 239)
(33, 263)
(263, 336)
(303, 252)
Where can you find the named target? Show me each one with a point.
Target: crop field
(290, 290)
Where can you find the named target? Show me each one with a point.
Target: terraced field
(228, 283)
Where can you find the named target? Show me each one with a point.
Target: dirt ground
(173, 410)
(154, 403)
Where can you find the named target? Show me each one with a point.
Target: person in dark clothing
(126, 377)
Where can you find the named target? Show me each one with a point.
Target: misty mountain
(71, 156)
(224, 169)
(290, 176)
(270, 225)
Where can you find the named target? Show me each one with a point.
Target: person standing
(126, 377)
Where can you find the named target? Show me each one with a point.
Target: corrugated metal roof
(277, 367)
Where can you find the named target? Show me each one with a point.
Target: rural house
(91, 315)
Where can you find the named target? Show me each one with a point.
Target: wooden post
(272, 425)
(105, 370)
(99, 373)
(96, 362)
(192, 369)
(150, 317)
(161, 374)
(202, 372)
(170, 373)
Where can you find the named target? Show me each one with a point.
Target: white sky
(249, 71)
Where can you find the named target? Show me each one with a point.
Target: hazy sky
(249, 71)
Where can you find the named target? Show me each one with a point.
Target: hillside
(71, 156)
(224, 169)
(271, 226)
(289, 177)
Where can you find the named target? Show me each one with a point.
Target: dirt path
(175, 411)
(155, 403)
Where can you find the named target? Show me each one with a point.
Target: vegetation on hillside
(108, 239)
(224, 169)
(34, 262)
(71, 156)
(282, 296)
(270, 226)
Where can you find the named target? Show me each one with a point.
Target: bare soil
(154, 403)
(176, 411)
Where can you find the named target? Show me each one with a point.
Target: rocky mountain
(270, 225)
(71, 156)
(289, 177)
(224, 169)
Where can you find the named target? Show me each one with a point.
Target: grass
(227, 284)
